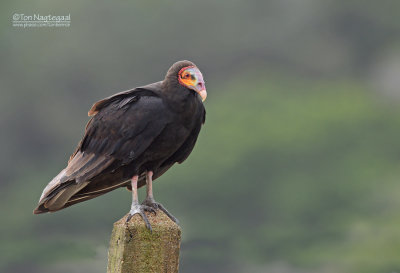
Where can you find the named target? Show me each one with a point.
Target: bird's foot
(140, 209)
(155, 206)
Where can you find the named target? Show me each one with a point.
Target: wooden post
(134, 249)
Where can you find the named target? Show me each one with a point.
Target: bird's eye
(186, 75)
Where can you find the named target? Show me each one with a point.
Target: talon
(161, 207)
(146, 221)
(140, 209)
(149, 209)
(155, 206)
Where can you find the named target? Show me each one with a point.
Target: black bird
(133, 138)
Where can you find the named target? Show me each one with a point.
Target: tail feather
(81, 169)
(61, 198)
(57, 193)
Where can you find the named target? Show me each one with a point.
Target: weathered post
(134, 249)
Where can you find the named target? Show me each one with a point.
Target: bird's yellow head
(191, 77)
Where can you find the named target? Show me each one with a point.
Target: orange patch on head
(186, 77)
(191, 77)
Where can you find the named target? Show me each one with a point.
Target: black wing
(122, 128)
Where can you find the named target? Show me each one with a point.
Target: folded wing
(122, 128)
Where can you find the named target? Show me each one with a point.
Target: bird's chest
(172, 136)
(191, 114)
(181, 126)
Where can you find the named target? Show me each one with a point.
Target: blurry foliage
(298, 162)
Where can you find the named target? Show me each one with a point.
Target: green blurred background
(296, 169)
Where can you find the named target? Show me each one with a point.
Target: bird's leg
(150, 202)
(136, 208)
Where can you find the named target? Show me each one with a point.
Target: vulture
(131, 139)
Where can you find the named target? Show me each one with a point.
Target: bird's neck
(179, 97)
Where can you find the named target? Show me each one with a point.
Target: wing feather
(122, 128)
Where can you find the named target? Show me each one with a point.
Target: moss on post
(134, 249)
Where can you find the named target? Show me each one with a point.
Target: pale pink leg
(150, 202)
(136, 208)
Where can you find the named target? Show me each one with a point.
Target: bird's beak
(202, 92)
(200, 86)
